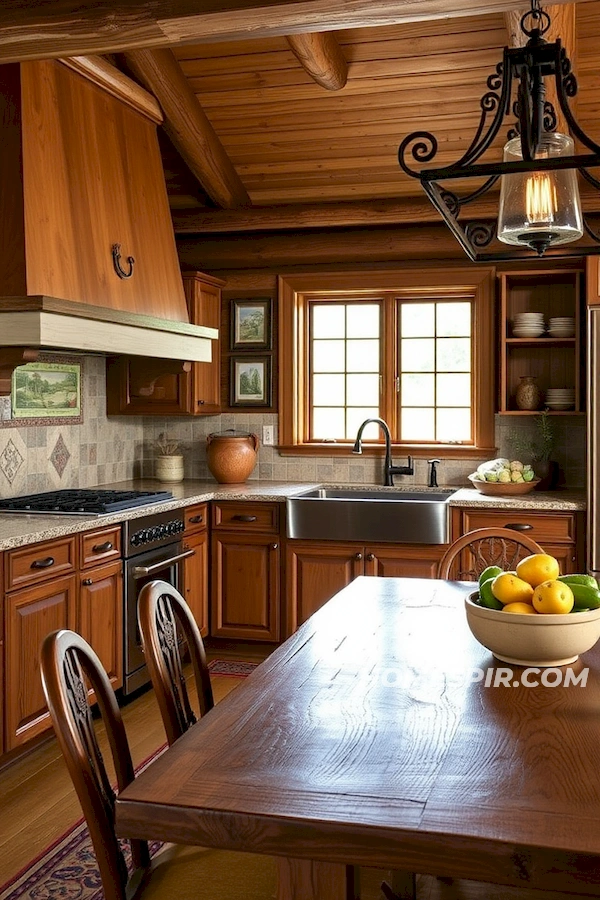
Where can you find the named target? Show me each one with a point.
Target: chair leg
(403, 886)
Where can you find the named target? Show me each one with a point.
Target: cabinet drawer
(263, 517)
(39, 562)
(195, 517)
(100, 546)
(544, 527)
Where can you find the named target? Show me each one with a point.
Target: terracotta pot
(528, 394)
(231, 455)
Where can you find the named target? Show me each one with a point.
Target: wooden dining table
(381, 734)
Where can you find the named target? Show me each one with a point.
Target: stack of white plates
(560, 398)
(562, 326)
(528, 324)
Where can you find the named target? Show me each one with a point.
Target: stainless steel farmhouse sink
(337, 514)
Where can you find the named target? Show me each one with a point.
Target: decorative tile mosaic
(60, 456)
(10, 462)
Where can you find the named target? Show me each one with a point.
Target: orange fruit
(507, 588)
(537, 568)
(525, 609)
(552, 597)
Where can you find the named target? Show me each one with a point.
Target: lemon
(552, 597)
(507, 588)
(524, 609)
(537, 568)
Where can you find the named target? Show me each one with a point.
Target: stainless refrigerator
(593, 442)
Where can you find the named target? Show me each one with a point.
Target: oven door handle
(142, 571)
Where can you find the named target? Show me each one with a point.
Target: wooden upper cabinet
(81, 172)
(593, 280)
(140, 386)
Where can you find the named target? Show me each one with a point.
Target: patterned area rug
(234, 667)
(67, 870)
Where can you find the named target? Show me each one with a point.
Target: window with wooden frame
(412, 347)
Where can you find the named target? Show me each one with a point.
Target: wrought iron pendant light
(539, 206)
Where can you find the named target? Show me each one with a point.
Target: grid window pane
(345, 359)
(355, 416)
(362, 390)
(417, 390)
(436, 406)
(418, 355)
(453, 390)
(328, 390)
(362, 356)
(329, 356)
(453, 319)
(417, 320)
(454, 355)
(328, 423)
(328, 320)
(454, 424)
(417, 425)
(362, 320)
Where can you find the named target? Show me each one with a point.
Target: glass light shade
(539, 209)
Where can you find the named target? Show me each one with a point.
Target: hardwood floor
(37, 800)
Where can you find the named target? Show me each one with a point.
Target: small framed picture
(251, 324)
(47, 393)
(250, 381)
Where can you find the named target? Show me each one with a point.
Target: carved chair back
(161, 610)
(68, 667)
(485, 547)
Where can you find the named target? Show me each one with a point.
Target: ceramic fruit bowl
(540, 640)
(504, 489)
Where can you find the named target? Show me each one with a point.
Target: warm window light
(540, 209)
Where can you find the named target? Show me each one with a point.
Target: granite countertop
(20, 530)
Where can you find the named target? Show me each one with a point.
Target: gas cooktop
(80, 502)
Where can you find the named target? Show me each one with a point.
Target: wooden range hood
(82, 193)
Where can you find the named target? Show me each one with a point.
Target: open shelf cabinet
(555, 362)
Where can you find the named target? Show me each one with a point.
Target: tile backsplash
(103, 450)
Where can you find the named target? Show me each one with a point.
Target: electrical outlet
(268, 435)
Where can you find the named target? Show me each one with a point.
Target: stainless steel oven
(153, 550)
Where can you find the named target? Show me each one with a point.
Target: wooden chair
(486, 547)
(182, 872)
(160, 609)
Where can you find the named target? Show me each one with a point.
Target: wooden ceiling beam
(32, 30)
(188, 127)
(319, 53)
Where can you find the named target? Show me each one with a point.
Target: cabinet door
(315, 572)
(245, 587)
(30, 615)
(136, 386)
(195, 579)
(593, 280)
(203, 295)
(417, 561)
(100, 616)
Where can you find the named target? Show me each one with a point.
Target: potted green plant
(539, 449)
(169, 461)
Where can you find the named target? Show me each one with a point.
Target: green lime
(486, 598)
(589, 580)
(489, 572)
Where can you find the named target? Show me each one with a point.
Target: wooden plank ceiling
(293, 143)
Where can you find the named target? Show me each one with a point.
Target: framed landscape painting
(251, 324)
(47, 392)
(250, 380)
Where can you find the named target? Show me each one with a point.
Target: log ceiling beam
(320, 54)
(33, 30)
(563, 27)
(188, 127)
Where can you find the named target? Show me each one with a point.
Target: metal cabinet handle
(358, 556)
(87, 581)
(142, 571)
(274, 546)
(200, 402)
(195, 519)
(370, 557)
(42, 563)
(116, 255)
(519, 526)
(240, 518)
(102, 548)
